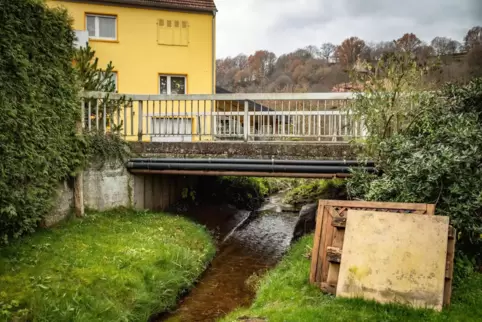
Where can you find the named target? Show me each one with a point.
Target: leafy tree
(435, 159)
(261, 64)
(39, 105)
(388, 94)
(349, 51)
(409, 42)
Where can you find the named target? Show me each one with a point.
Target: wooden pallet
(330, 233)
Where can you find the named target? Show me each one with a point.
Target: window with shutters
(172, 32)
(101, 27)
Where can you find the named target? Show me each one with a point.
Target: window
(172, 32)
(172, 85)
(102, 27)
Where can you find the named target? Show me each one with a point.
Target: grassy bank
(116, 266)
(284, 294)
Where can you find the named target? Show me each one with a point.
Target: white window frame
(169, 83)
(97, 29)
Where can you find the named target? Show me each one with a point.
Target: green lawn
(284, 294)
(116, 266)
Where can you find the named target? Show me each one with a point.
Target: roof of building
(253, 106)
(196, 5)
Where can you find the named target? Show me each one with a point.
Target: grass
(284, 294)
(116, 266)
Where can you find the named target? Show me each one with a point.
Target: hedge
(39, 107)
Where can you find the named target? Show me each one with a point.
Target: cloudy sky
(281, 26)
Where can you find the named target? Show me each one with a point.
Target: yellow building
(156, 46)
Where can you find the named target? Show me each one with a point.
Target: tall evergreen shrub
(39, 108)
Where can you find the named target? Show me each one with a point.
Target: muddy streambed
(249, 243)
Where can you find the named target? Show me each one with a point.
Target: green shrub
(39, 107)
(437, 159)
(105, 149)
(313, 190)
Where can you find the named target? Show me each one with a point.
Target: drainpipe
(214, 120)
(214, 52)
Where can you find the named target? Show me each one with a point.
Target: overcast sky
(281, 26)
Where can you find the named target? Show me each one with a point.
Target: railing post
(247, 121)
(139, 127)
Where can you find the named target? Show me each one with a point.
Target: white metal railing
(250, 117)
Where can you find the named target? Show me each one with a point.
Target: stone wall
(250, 150)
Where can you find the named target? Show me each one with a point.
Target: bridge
(284, 117)
(304, 135)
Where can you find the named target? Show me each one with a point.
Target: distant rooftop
(196, 5)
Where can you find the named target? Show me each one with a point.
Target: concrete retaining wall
(104, 189)
(107, 188)
(110, 188)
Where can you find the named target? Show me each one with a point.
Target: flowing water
(248, 245)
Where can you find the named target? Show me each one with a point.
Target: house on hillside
(156, 47)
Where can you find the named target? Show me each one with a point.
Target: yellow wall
(139, 59)
(137, 56)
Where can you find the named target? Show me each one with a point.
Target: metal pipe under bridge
(247, 167)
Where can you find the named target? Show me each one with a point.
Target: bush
(105, 149)
(39, 108)
(313, 190)
(437, 159)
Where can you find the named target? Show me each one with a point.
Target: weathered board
(330, 233)
(394, 258)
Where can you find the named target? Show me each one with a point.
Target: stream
(248, 244)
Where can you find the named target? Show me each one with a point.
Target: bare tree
(241, 61)
(473, 37)
(381, 48)
(474, 60)
(445, 46)
(313, 50)
(327, 50)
